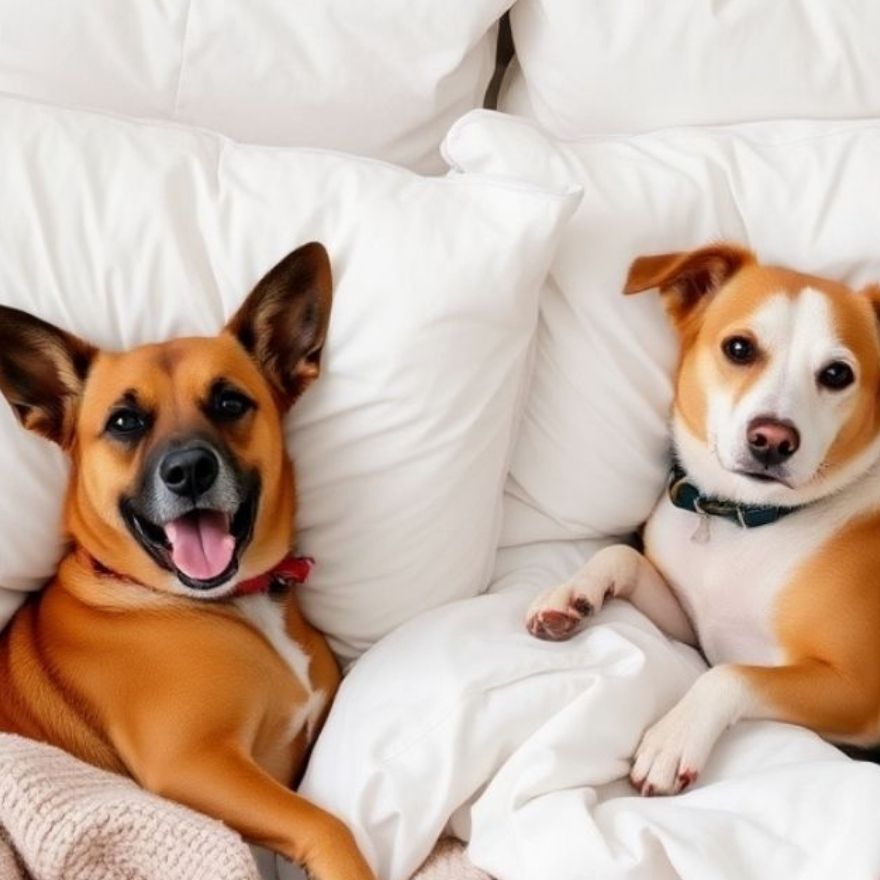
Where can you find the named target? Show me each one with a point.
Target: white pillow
(384, 78)
(591, 456)
(606, 66)
(125, 232)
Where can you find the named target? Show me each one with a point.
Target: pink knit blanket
(61, 819)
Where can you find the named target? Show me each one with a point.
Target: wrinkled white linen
(588, 67)
(524, 744)
(384, 79)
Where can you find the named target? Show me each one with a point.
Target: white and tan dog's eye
(836, 376)
(740, 350)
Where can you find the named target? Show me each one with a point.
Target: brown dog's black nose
(189, 472)
(771, 441)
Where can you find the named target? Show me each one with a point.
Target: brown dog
(168, 647)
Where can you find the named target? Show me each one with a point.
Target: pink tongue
(201, 546)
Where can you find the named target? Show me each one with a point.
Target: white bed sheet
(460, 719)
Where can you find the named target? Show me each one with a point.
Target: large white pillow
(615, 66)
(125, 232)
(591, 456)
(384, 78)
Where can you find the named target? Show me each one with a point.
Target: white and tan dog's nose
(772, 441)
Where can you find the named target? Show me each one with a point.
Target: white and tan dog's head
(778, 384)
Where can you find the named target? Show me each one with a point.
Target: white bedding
(459, 719)
(127, 232)
(524, 746)
(384, 79)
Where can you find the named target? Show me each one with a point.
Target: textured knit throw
(61, 819)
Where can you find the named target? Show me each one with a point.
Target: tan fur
(828, 615)
(183, 694)
(827, 620)
(799, 594)
(177, 374)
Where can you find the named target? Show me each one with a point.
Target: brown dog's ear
(283, 322)
(42, 373)
(684, 279)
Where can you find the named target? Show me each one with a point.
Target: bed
(151, 148)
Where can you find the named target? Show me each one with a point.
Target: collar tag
(703, 532)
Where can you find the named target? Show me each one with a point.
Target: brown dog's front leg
(225, 783)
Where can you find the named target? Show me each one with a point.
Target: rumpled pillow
(384, 78)
(591, 457)
(589, 67)
(129, 232)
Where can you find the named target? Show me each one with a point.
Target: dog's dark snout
(189, 472)
(772, 441)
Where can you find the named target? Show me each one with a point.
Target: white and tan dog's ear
(686, 279)
(42, 373)
(872, 292)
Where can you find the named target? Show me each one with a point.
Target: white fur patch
(729, 584)
(267, 616)
(798, 338)
(307, 715)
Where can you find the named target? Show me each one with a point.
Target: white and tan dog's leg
(673, 752)
(617, 572)
(812, 693)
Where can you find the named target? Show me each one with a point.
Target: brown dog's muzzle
(194, 511)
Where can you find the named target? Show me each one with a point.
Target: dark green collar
(687, 496)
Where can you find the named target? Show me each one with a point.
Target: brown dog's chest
(95, 681)
(302, 688)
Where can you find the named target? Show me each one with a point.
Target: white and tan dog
(769, 535)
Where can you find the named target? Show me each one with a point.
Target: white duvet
(523, 747)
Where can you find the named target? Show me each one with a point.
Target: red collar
(290, 570)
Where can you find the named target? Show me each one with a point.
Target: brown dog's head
(180, 478)
(777, 397)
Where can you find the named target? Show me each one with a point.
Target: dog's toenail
(687, 777)
(583, 606)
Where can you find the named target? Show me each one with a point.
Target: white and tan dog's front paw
(671, 755)
(673, 752)
(557, 614)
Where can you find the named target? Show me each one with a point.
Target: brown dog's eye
(126, 424)
(739, 350)
(229, 405)
(836, 376)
